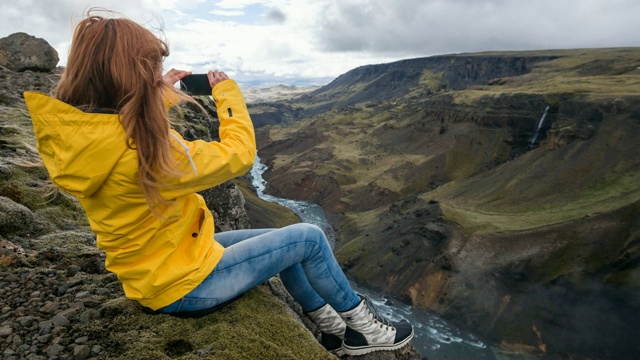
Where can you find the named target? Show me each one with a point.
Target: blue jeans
(301, 255)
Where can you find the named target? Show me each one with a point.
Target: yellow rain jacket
(157, 259)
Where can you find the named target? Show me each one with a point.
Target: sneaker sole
(361, 350)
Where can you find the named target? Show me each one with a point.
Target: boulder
(14, 218)
(227, 204)
(21, 52)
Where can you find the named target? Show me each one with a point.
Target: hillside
(497, 189)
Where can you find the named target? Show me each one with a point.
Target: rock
(21, 52)
(203, 352)
(12, 254)
(89, 315)
(5, 331)
(60, 321)
(50, 307)
(8, 352)
(227, 204)
(91, 302)
(44, 338)
(70, 312)
(81, 352)
(14, 218)
(62, 289)
(45, 327)
(72, 282)
(72, 270)
(103, 292)
(27, 321)
(82, 294)
(55, 350)
(35, 357)
(17, 340)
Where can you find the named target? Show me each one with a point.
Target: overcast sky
(285, 40)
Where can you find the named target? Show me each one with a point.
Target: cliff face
(499, 190)
(374, 83)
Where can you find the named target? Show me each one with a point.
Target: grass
(17, 141)
(431, 80)
(605, 196)
(594, 73)
(263, 214)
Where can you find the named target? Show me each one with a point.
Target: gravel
(39, 309)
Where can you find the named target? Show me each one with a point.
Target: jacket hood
(79, 149)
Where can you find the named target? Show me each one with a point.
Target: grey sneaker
(367, 331)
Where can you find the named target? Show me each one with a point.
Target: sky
(294, 41)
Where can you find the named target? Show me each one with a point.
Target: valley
(446, 189)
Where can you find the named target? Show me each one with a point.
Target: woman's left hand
(173, 76)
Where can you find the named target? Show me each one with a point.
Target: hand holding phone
(173, 76)
(201, 84)
(196, 84)
(216, 76)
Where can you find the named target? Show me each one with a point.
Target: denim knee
(310, 230)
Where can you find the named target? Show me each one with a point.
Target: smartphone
(196, 84)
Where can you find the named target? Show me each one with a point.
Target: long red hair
(115, 63)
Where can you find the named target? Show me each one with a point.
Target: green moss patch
(255, 326)
(263, 214)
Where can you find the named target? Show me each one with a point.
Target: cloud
(238, 4)
(227, 12)
(325, 38)
(276, 15)
(445, 26)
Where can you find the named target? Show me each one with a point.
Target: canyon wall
(448, 189)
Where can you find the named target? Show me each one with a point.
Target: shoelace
(372, 309)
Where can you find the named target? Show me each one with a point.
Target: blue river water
(434, 338)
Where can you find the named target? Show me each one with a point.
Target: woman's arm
(204, 164)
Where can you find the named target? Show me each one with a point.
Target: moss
(263, 214)
(14, 218)
(432, 80)
(63, 217)
(255, 326)
(629, 277)
(29, 186)
(76, 243)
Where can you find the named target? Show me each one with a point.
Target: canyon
(500, 190)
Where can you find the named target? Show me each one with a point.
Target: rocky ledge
(58, 302)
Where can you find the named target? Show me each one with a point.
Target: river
(434, 338)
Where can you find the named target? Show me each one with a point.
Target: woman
(106, 139)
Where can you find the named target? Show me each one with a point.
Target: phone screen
(196, 84)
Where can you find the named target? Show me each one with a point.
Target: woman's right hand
(215, 77)
(173, 76)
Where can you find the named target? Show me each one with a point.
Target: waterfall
(533, 140)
